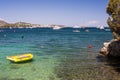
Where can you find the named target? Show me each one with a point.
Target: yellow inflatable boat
(20, 58)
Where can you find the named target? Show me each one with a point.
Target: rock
(104, 50)
(106, 44)
(111, 49)
(114, 49)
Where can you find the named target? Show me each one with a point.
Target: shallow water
(58, 54)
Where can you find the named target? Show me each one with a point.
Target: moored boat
(20, 58)
(76, 31)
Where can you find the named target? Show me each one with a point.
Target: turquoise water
(58, 54)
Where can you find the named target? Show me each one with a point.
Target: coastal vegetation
(113, 10)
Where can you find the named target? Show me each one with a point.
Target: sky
(63, 12)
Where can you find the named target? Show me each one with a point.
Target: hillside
(3, 23)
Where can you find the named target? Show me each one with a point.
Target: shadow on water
(17, 65)
(101, 58)
(67, 71)
(72, 67)
(29, 61)
(114, 62)
(76, 68)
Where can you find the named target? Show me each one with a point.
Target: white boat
(56, 27)
(76, 31)
(76, 26)
(87, 30)
(107, 29)
(100, 27)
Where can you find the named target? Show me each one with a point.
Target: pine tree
(113, 21)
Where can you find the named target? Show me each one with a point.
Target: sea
(63, 54)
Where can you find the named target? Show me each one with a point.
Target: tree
(113, 21)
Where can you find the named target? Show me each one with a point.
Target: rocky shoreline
(111, 49)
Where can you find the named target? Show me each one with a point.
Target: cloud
(93, 22)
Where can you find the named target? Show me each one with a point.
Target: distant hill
(22, 24)
(3, 23)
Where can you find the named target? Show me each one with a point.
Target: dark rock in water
(22, 37)
(100, 58)
(111, 49)
(114, 49)
(115, 63)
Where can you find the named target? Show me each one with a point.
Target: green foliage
(113, 10)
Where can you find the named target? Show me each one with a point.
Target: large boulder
(114, 49)
(104, 51)
(111, 49)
